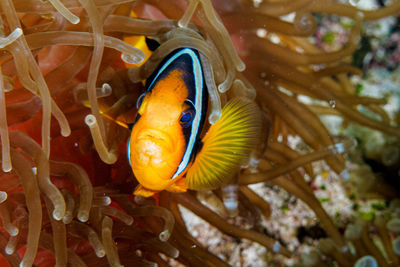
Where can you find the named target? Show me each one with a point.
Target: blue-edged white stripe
(129, 151)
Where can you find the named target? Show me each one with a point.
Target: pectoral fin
(178, 186)
(226, 145)
(143, 191)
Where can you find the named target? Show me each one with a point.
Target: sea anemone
(66, 183)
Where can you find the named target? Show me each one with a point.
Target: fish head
(157, 141)
(166, 133)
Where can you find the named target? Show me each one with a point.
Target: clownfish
(171, 146)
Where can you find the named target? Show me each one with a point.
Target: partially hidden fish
(172, 147)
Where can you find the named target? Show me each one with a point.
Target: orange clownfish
(170, 148)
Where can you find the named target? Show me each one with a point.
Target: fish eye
(140, 100)
(187, 117)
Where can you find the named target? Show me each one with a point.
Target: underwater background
(320, 188)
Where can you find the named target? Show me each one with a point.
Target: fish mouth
(154, 157)
(152, 149)
(159, 138)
